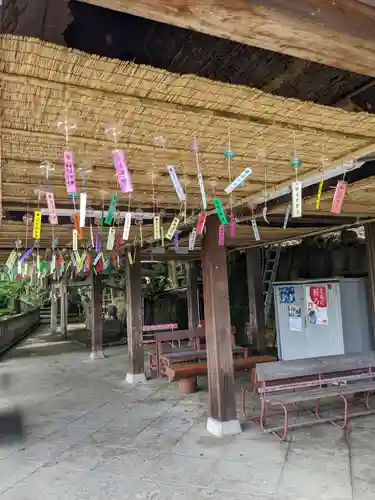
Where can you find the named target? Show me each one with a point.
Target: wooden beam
(339, 34)
(192, 295)
(96, 317)
(134, 321)
(257, 325)
(370, 245)
(44, 19)
(222, 402)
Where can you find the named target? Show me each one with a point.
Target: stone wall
(13, 329)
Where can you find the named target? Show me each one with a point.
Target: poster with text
(317, 306)
(295, 318)
(287, 294)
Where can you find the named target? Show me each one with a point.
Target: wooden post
(222, 403)
(63, 308)
(96, 317)
(192, 295)
(370, 245)
(134, 321)
(257, 327)
(53, 309)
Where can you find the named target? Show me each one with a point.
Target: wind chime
(201, 221)
(296, 185)
(340, 191)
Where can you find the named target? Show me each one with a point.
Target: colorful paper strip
(176, 183)
(172, 228)
(156, 223)
(11, 259)
(192, 238)
(221, 235)
(338, 198)
(75, 239)
(232, 224)
(77, 226)
(51, 208)
(296, 199)
(318, 196)
(111, 238)
(127, 224)
(201, 222)
(122, 172)
(70, 180)
(238, 181)
(111, 210)
(220, 211)
(37, 224)
(202, 190)
(254, 226)
(82, 209)
(25, 255)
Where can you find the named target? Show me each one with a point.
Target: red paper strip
(338, 198)
(77, 225)
(201, 222)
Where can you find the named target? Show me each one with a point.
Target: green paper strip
(220, 211)
(111, 210)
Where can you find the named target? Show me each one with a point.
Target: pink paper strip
(51, 208)
(221, 236)
(338, 198)
(122, 172)
(232, 223)
(70, 180)
(201, 222)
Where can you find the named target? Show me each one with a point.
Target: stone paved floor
(93, 437)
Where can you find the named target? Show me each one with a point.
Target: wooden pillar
(63, 308)
(370, 245)
(222, 403)
(53, 309)
(192, 295)
(96, 317)
(257, 327)
(134, 321)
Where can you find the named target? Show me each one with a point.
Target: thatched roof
(40, 82)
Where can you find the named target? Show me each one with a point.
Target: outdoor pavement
(90, 436)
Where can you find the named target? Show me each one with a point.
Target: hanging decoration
(127, 224)
(194, 148)
(287, 215)
(201, 222)
(156, 223)
(232, 225)
(321, 182)
(238, 180)
(176, 183)
(111, 210)
(37, 224)
(192, 238)
(220, 211)
(172, 228)
(338, 198)
(111, 238)
(176, 240)
(84, 171)
(122, 173)
(254, 226)
(265, 208)
(48, 168)
(296, 185)
(67, 128)
(139, 222)
(221, 240)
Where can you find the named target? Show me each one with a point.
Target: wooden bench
(284, 383)
(186, 373)
(148, 331)
(168, 359)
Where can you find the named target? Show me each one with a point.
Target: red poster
(317, 305)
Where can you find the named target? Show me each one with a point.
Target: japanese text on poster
(317, 306)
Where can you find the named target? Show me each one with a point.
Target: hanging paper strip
(127, 224)
(77, 226)
(70, 180)
(287, 214)
(175, 240)
(338, 198)
(78, 261)
(201, 222)
(232, 223)
(118, 242)
(38, 263)
(220, 211)
(59, 262)
(19, 268)
(75, 239)
(130, 258)
(162, 235)
(122, 172)
(111, 238)
(53, 263)
(318, 196)
(156, 223)
(238, 181)
(100, 266)
(88, 263)
(172, 228)
(98, 243)
(51, 208)
(176, 183)
(221, 235)
(202, 190)
(192, 238)
(83, 259)
(254, 225)
(37, 224)
(296, 199)
(11, 259)
(114, 260)
(97, 258)
(82, 209)
(111, 210)
(25, 255)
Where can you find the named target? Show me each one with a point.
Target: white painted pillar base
(221, 429)
(96, 355)
(135, 378)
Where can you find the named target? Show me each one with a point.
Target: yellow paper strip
(37, 224)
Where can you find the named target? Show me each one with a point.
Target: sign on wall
(317, 305)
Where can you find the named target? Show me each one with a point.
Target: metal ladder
(271, 265)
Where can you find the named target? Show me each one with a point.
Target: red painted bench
(284, 383)
(148, 331)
